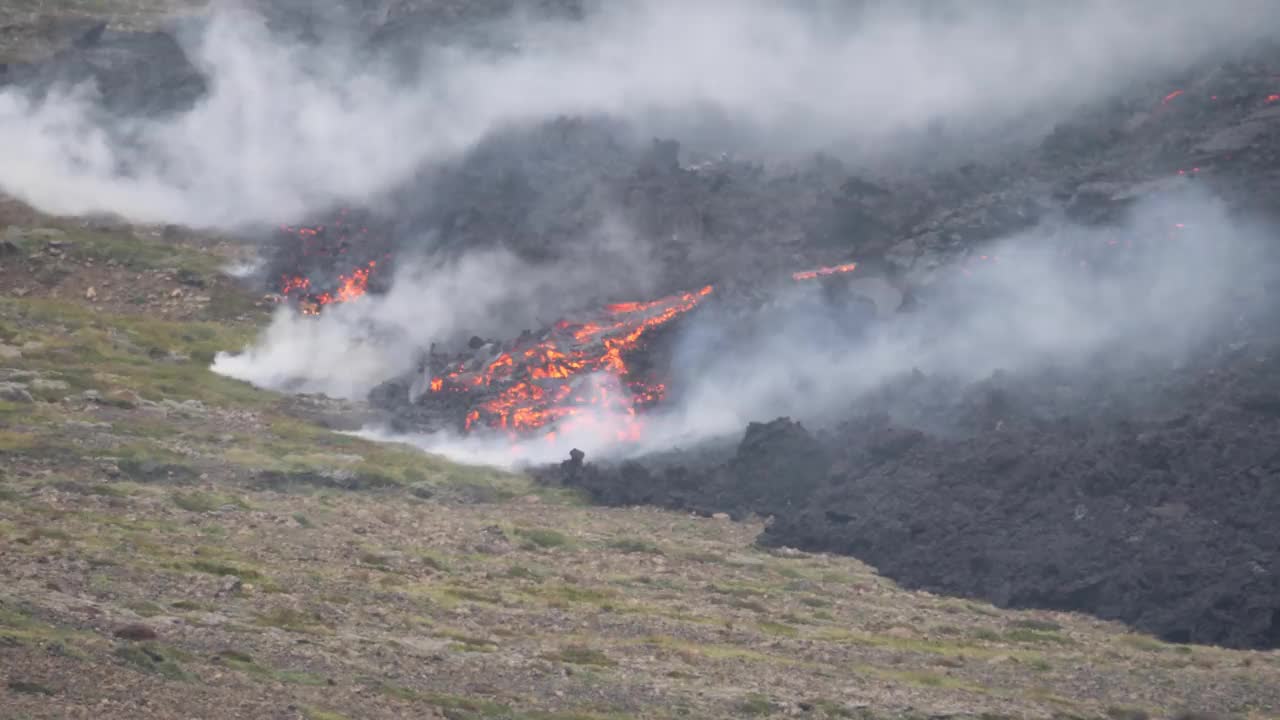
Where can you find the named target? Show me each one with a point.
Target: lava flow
(315, 257)
(346, 289)
(825, 271)
(575, 374)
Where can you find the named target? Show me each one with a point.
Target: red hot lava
(348, 288)
(574, 375)
(825, 271)
(316, 256)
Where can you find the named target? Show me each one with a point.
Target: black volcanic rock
(136, 74)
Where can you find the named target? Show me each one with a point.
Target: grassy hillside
(175, 544)
(178, 544)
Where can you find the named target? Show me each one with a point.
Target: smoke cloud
(1146, 295)
(287, 129)
(1140, 297)
(353, 347)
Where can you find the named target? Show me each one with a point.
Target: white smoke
(1040, 302)
(1037, 301)
(285, 130)
(354, 346)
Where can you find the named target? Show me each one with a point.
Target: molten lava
(576, 374)
(331, 262)
(825, 271)
(347, 288)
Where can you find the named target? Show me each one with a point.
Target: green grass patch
(23, 687)
(1144, 643)
(778, 629)
(245, 663)
(433, 560)
(146, 608)
(522, 572)
(1023, 635)
(153, 659)
(580, 655)
(755, 705)
(1036, 625)
(203, 502)
(213, 567)
(464, 642)
(296, 621)
(635, 545)
(542, 538)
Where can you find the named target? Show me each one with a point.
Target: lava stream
(577, 375)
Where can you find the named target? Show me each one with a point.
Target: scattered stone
(788, 552)
(9, 352)
(91, 294)
(188, 408)
(231, 586)
(45, 385)
(15, 392)
(124, 399)
(720, 516)
(16, 375)
(493, 541)
(190, 278)
(136, 633)
(83, 425)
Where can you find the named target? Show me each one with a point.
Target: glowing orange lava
(824, 271)
(1274, 97)
(574, 376)
(1169, 98)
(349, 287)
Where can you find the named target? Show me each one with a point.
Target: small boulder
(45, 385)
(15, 392)
(136, 632)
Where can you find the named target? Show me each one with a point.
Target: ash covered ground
(1051, 379)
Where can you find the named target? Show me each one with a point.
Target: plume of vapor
(1033, 308)
(1037, 307)
(354, 346)
(286, 129)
